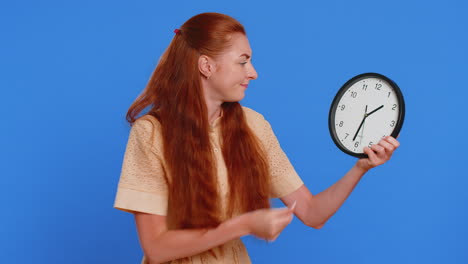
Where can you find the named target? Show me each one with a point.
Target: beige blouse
(143, 187)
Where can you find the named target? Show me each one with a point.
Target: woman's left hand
(379, 153)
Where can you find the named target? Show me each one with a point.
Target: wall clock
(367, 108)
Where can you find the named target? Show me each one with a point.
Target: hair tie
(177, 31)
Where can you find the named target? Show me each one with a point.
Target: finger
(371, 155)
(281, 223)
(389, 148)
(274, 237)
(282, 215)
(393, 141)
(277, 234)
(378, 150)
(377, 147)
(293, 206)
(281, 211)
(277, 227)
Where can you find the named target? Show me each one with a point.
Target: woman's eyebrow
(246, 55)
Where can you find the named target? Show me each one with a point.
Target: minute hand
(359, 128)
(375, 110)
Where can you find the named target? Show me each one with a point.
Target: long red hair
(175, 96)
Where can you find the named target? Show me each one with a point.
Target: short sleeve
(142, 186)
(284, 178)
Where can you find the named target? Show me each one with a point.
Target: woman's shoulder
(148, 126)
(251, 114)
(147, 123)
(255, 120)
(147, 119)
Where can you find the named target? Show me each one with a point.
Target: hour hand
(375, 110)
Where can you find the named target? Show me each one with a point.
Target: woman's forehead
(239, 47)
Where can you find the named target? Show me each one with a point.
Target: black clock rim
(343, 89)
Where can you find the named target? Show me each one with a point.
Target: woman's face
(232, 73)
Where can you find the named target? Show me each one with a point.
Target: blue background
(69, 70)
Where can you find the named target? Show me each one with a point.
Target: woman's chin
(236, 98)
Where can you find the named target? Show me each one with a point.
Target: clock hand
(362, 122)
(365, 116)
(378, 108)
(362, 130)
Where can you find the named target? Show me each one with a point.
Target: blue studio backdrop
(69, 70)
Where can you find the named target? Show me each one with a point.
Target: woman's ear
(204, 66)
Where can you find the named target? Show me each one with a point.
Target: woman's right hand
(268, 223)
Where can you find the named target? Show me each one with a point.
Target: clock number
(346, 135)
(392, 124)
(394, 106)
(340, 124)
(364, 87)
(353, 94)
(342, 107)
(370, 144)
(377, 86)
(389, 94)
(356, 144)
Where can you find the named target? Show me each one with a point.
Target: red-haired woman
(199, 169)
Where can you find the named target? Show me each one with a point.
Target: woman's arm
(315, 210)
(161, 245)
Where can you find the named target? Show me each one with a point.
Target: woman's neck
(213, 105)
(214, 111)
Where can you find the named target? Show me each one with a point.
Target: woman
(199, 169)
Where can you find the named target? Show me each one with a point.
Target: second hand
(362, 130)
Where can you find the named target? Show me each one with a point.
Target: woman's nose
(252, 73)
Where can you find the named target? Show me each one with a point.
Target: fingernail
(294, 205)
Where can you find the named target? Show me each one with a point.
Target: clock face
(367, 108)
